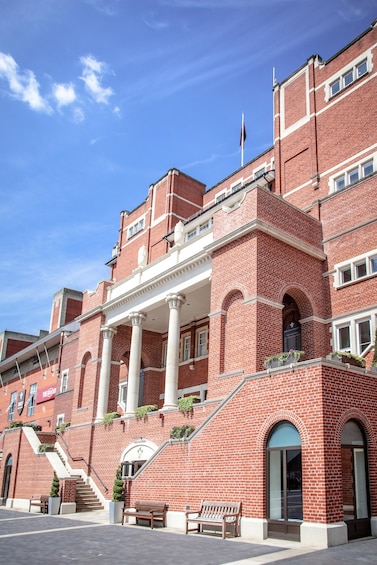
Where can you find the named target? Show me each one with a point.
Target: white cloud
(92, 73)
(64, 93)
(22, 85)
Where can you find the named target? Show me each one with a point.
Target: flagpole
(242, 136)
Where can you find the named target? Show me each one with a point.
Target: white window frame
(220, 196)
(164, 352)
(136, 227)
(59, 419)
(353, 323)
(64, 381)
(199, 229)
(31, 399)
(122, 395)
(201, 345)
(370, 261)
(186, 347)
(12, 406)
(259, 173)
(338, 83)
(342, 180)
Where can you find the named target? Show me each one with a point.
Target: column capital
(108, 332)
(137, 318)
(175, 300)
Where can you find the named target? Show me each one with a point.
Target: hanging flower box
(283, 359)
(346, 357)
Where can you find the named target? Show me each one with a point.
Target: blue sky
(100, 98)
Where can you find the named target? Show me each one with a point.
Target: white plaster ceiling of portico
(152, 301)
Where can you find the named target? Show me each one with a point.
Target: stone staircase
(86, 499)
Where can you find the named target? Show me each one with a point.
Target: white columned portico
(137, 319)
(175, 302)
(104, 378)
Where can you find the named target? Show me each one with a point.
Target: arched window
(284, 480)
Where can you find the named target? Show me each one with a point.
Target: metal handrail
(90, 467)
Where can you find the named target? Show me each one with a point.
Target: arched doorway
(7, 475)
(284, 482)
(356, 513)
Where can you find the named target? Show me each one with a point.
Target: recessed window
(31, 399)
(373, 264)
(12, 406)
(201, 339)
(360, 270)
(198, 229)
(348, 77)
(353, 175)
(258, 174)
(363, 335)
(344, 337)
(64, 382)
(136, 228)
(220, 197)
(186, 347)
(346, 275)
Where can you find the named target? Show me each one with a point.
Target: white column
(104, 377)
(175, 302)
(137, 319)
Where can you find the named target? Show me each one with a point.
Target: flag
(243, 132)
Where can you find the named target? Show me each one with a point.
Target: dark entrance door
(7, 474)
(354, 482)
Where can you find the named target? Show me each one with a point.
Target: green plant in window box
(109, 417)
(284, 358)
(142, 411)
(63, 426)
(181, 432)
(186, 403)
(15, 424)
(350, 358)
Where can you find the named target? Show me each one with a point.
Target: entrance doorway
(284, 480)
(356, 512)
(7, 474)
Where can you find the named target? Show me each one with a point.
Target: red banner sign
(44, 394)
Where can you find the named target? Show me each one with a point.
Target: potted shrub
(141, 412)
(116, 504)
(54, 498)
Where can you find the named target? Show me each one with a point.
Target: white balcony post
(104, 378)
(137, 319)
(175, 302)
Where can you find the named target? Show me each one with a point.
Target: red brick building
(280, 257)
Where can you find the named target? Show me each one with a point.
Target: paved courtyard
(89, 538)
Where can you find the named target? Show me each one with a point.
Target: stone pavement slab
(83, 538)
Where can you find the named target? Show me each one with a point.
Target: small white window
(237, 186)
(361, 69)
(363, 335)
(348, 78)
(344, 340)
(186, 347)
(258, 174)
(202, 342)
(191, 234)
(64, 381)
(360, 269)
(373, 264)
(367, 168)
(345, 275)
(59, 420)
(340, 183)
(353, 176)
(220, 197)
(335, 87)
(122, 398)
(164, 353)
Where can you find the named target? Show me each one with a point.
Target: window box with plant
(109, 417)
(186, 403)
(116, 504)
(283, 359)
(347, 357)
(374, 360)
(142, 411)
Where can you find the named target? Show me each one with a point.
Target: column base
(170, 407)
(323, 535)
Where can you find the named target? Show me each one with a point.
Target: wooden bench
(151, 511)
(223, 514)
(42, 502)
